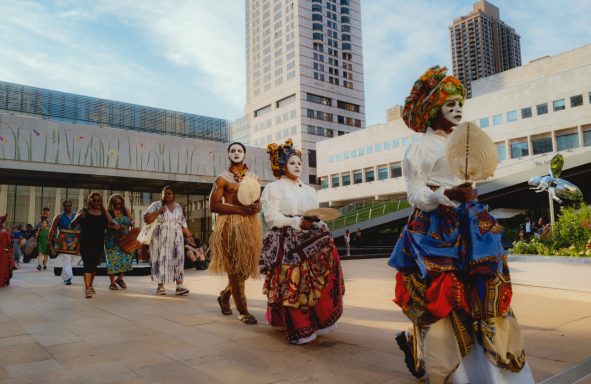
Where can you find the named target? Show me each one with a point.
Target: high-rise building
(304, 68)
(482, 45)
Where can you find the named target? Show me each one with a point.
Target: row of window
(326, 116)
(520, 148)
(367, 175)
(541, 109)
(285, 133)
(328, 101)
(369, 149)
(280, 118)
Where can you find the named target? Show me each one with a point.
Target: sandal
(225, 307)
(88, 293)
(160, 291)
(92, 290)
(247, 318)
(121, 283)
(113, 287)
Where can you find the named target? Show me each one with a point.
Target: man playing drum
(237, 238)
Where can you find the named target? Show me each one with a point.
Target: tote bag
(145, 235)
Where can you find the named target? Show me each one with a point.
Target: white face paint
(452, 111)
(236, 154)
(294, 167)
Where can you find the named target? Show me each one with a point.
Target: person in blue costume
(62, 221)
(453, 281)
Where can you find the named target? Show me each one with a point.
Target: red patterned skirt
(303, 281)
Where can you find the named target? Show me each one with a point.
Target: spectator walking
(6, 260)
(60, 222)
(528, 229)
(30, 248)
(42, 238)
(18, 238)
(118, 261)
(167, 252)
(93, 220)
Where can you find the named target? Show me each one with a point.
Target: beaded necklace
(238, 176)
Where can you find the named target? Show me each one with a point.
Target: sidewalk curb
(549, 259)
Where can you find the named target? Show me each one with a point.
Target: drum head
(249, 191)
(324, 214)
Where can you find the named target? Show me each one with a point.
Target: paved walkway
(50, 334)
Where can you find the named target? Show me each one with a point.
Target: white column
(581, 138)
(81, 199)
(3, 199)
(57, 204)
(554, 144)
(507, 150)
(530, 148)
(32, 217)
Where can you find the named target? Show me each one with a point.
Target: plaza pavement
(49, 333)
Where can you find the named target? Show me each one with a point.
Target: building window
(568, 141)
(353, 153)
(323, 183)
(312, 179)
(541, 145)
(318, 99)
(405, 141)
(369, 175)
(331, 158)
(285, 101)
(387, 145)
(526, 113)
(361, 151)
(587, 138)
(346, 180)
(396, 143)
(576, 101)
(395, 170)
(357, 177)
(317, 36)
(501, 151)
(484, 123)
(312, 158)
(262, 111)
(378, 147)
(335, 181)
(369, 149)
(348, 106)
(511, 116)
(316, 26)
(542, 109)
(383, 172)
(558, 105)
(519, 149)
(498, 119)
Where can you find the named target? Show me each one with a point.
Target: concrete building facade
(56, 145)
(304, 73)
(482, 45)
(530, 112)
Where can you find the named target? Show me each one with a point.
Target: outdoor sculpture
(556, 187)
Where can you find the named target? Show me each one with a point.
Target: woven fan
(471, 153)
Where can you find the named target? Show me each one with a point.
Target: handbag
(145, 235)
(129, 242)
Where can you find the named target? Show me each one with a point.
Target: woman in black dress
(93, 220)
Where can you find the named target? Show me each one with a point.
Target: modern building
(482, 44)
(531, 112)
(56, 145)
(304, 64)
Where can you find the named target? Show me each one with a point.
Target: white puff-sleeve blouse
(284, 202)
(427, 173)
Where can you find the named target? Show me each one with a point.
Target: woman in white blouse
(303, 277)
(453, 280)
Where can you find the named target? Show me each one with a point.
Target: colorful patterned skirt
(452, 267)
(303, 281)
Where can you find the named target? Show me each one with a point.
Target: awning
(506, 213)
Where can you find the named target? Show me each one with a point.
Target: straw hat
(249, 190)
(470, 153)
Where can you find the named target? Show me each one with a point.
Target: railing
(367, 211)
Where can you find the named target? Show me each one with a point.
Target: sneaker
(45, 267)
(160, 291)
(38, 267)
(180, 290)
(68, 282)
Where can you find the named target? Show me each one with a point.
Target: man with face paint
(303, 277)
(237, 238)
(453, 281)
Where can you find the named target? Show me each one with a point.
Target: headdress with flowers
(427, 96)
(279, 154)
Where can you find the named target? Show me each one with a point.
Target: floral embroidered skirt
(303, 281)
(451, 265)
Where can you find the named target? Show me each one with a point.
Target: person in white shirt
(303, 277)
(453, 280)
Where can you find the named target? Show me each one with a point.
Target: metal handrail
(363, 214)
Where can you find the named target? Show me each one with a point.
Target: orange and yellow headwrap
(279, 154)
(427, 96)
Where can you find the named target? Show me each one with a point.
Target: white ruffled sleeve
(270, 200)
(416, 168)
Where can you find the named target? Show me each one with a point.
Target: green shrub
(569, 230)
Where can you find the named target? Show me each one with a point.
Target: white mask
(294, 166)
(236, 154)
(451, 111)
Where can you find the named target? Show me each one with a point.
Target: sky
(189, 55)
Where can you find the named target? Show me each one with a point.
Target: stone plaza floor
(49, 333)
